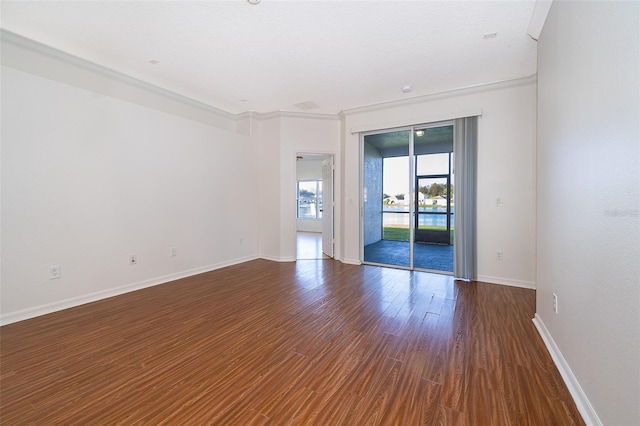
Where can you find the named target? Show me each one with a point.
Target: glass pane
(433, 241)
(319, 199)
(395, 203)
(432, 204)
(386, 198)
(432, 164)
(306, 208)
(387, 204)
(307, 189)
(433, 233)
(433, 140)
(307, 200)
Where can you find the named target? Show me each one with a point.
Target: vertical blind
(465, 152)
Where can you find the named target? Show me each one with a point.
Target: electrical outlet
(55, 272)
(499, 255)
(174, 252)
(555, 303)
(133, 260)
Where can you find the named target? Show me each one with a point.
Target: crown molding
(538, 18)
(52, 52)
(246, 114)
(56, 54)
(468, 90)
(288, 114)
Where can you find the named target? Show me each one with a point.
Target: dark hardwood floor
(312, 342)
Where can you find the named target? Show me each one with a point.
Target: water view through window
(309, 199)
(432, 196)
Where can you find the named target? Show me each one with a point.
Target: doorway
(408, 197)
(314, 206)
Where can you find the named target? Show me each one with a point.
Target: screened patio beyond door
(408, 193)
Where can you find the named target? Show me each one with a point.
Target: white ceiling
(271, 56)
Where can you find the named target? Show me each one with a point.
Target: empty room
(320, 212)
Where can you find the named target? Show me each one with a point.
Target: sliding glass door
(386, 198)
(408, 197)
(433, 243)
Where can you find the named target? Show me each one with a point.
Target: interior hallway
(309, 246)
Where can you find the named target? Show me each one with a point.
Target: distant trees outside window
(434, 190)
(309, 196)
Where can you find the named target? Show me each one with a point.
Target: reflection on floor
(425, 256)
(310, 246)
(320, 342)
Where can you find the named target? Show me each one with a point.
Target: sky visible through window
(396, 176)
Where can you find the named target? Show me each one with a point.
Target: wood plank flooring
(309, 246)
(311, 342)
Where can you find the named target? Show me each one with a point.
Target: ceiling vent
(305, 106)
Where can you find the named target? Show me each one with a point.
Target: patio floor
(426, 256)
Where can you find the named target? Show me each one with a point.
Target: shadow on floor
(425, 256)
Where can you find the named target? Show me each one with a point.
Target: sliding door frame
(412, 188)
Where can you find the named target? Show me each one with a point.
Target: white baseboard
(48, 308)
(277, 259)
(291, 259)
(582, 402)
(507, 281)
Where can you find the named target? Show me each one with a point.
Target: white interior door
(327, 206)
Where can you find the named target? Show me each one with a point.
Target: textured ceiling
(334, 55)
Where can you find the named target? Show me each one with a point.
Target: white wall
(506, 169)
(309, 170)
(589, 203)
(269, 209)
(88, 179)
(97, 166)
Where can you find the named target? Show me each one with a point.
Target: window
(309, 199)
